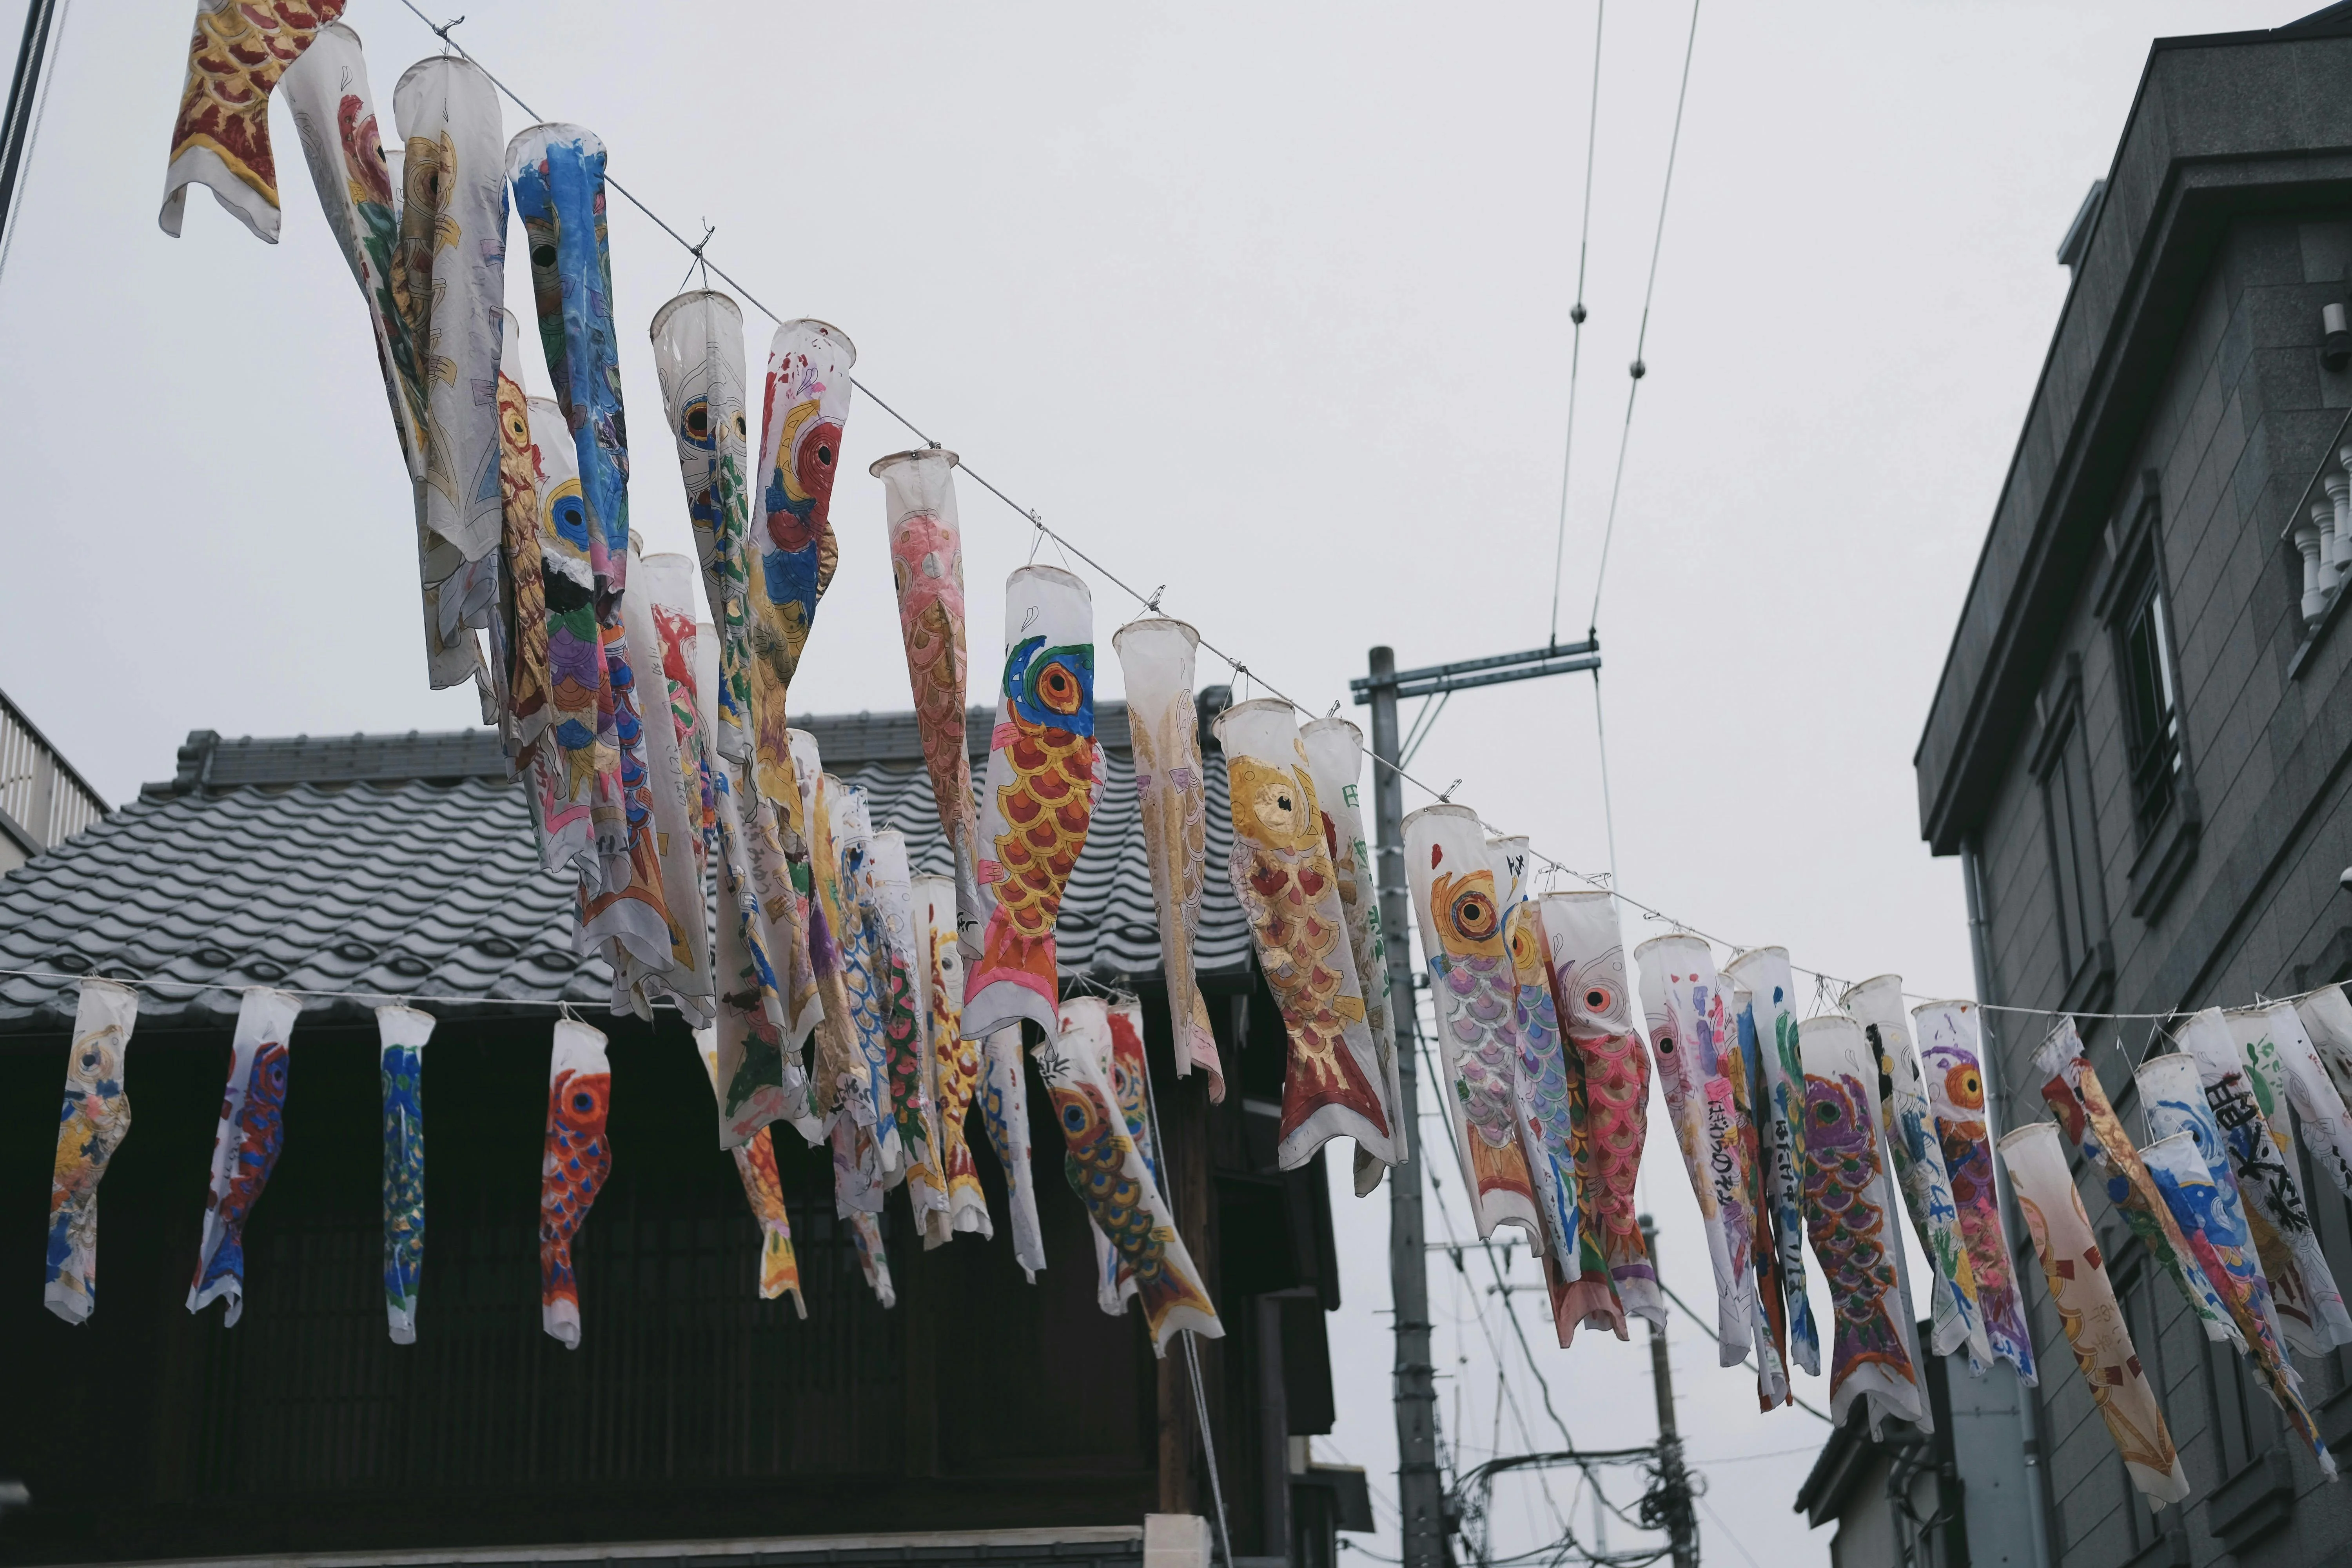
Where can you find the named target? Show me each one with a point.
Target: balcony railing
(43, 801)
(2319, 526)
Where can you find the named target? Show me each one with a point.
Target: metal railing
(43, 801)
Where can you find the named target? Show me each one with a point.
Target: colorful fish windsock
(857, 1192)
(1004, 1110)
(874, 1005)
(579, 1157)
(906, 1039)
(584, 820)
(763, 1189)
(1155, 659)
(2267, 1038)
(1281, 872)
(246, 1146)
(1745, 1066)
(1949, 1053)
(926, 565)
(1692, 1031)
(2327, 1015)
(2310, 1308)
(519, 628)
(1548, 1101)
(1854, 1237)
(400, 1055)
(221, 138)
(1877, 1004)
(2072, 1088)
(1459, 909)
(1334, 750)
(955, 1061)
(2290, 1070)
(1043, 769)
(1107, 1173)
(674, 759)
(1611, 1071)
(698, 357)
(1092, 1029)
(2087, 1305)
(1780, 1129)
(95, 1120)
(832, 926)
(792, 554)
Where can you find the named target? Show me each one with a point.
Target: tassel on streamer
(579, 1157)
(2246, 1083)
(1155, 659)
(1004, 1110)
(1107, 1173)
(1779, 1115)
(2290, 1071)
(1334, 750)
(1044, 768)
(699, 356)
(221, 137)
(927, 564)
(2086, 1306)
(1282, 875)
(955, 1061)
(905, 1035)
(401, 1035)
(763, 1189)
(246, 1146)
(1871, 1354)
(1955, 1094)
(94, 1120)
(1456, 904)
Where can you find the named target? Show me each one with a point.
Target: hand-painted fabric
(698, 357)
(1004, 1111)
(221, 138)
(838, 1065)
(1458, 907)
(927, 564)
(1043, 769)
(866, 974)
(1548, 1098)
(1956, 1095)
(1282, 875)
(2310, 1307)
(857, 1193)
(399, 1055)
(1586, 959)
(1089, 1028)
(626, 906)
(519, 627)
(955, 1060)
(327, 90)
(1692, 1032)
(905, 1033)
(2072, 1090)
(245, 1145)
(1106, 1171)
(93, 1124)
(2292, 1065)
(1155, 659)
(1745, 1068)
(2087, 1306)
(685, 806)
(579, 1157)
(582, 817)
(2327, 1015)
(1855, 1240)
(1781, 1131)
(792, 554)
(1334, 750)
(763, 1189)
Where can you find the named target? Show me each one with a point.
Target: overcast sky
(1269, 305)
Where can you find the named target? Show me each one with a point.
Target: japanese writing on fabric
(698, 357)
(793, 554)
(1877, 1004)
(2327, 1015)
(1107, 1173)
(1777, 1082)
(1458, 907)
(927, 566)
(2311, 1309)
(578, 1157)
(1155, 659)
(1044, 768)
(221, 137)
(2187, 1159)
(401, 1034)
(2036, 1158)
(2290, 1071)
(1004, 1110)
(1334, 1085)
(2281, 1069)
(955, 1060)
(1609, 1069)
(91, 1124)
(1746, 1070)
(906, 1032)
(2072, 1090)
(1692, 1033)
(1956, 1096)
(1334, 750)
(763, 1189)
(246, 1146)
(1854, 1239)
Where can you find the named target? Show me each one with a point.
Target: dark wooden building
(984, 1417)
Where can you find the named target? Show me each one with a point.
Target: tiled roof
(407, 865)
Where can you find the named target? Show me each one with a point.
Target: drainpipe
(2029, 1401)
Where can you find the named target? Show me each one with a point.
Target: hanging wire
(1576, 315)
(33, 131)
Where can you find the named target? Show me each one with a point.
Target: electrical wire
(33, 131)
(1710, 1333)
(1576, 318)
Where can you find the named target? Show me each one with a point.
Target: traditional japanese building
(983, 1418)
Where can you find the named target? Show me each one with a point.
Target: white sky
(1269, 305)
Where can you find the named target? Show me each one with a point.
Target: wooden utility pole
(1682, 1529)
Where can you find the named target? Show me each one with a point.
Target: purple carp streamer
(1955, 1094)
(95, 1119)
(244, 1147)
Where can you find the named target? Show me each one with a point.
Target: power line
(1576, 316)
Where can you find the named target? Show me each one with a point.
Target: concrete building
(2139, 742)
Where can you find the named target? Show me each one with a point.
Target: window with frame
(2151, 701)
(2136, 1288)
(2061, 765)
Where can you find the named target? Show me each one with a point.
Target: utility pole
(1420, 1494)
(1674, 1480)
(24, 91)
